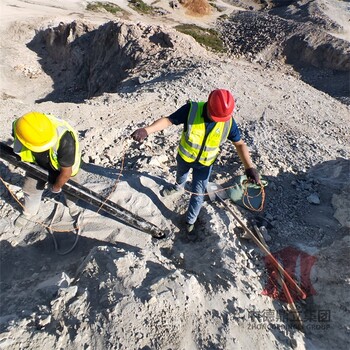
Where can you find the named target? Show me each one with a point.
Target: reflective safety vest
(61, 127)
(195, 145)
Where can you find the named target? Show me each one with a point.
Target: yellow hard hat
(36, 131)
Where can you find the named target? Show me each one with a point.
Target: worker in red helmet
(207, 125)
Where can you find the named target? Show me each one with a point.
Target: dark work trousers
(200, 177)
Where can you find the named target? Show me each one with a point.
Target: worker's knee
(32, 185)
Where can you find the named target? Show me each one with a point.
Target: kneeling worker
(52, 144)
(207, 125)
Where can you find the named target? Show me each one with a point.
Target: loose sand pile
(119, 288)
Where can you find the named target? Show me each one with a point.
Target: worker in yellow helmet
(51, 143)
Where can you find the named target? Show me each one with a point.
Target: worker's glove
(252, 175)
(52, 195)
(139, 135)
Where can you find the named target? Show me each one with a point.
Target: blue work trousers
(200, 178)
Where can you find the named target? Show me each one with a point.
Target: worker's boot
(191, 232)
(71, 203)
(74, 210)
(170, 189)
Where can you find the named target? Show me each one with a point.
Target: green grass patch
(141, 7)
(209, 38)
(108, 6)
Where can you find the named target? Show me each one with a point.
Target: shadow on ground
(24, 266)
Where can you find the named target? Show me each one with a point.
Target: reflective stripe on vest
(194, 144)
(61, 127)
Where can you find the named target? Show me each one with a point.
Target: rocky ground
(121, 289)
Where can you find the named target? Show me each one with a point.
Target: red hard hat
(220, 105)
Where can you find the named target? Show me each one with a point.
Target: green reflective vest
(194, 144)
(61, 127)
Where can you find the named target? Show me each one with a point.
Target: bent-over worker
(52, 144)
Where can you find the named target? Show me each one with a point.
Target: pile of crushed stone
(249, 33)
(271, 35)
(296, 34)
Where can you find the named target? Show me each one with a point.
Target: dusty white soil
(121, 289)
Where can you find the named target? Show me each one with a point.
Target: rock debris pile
(250, 33)
(300, 34)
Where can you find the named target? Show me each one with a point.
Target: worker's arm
(158, 125)
(244, 156)
(62, 178)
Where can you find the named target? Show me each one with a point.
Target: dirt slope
(119, 288)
